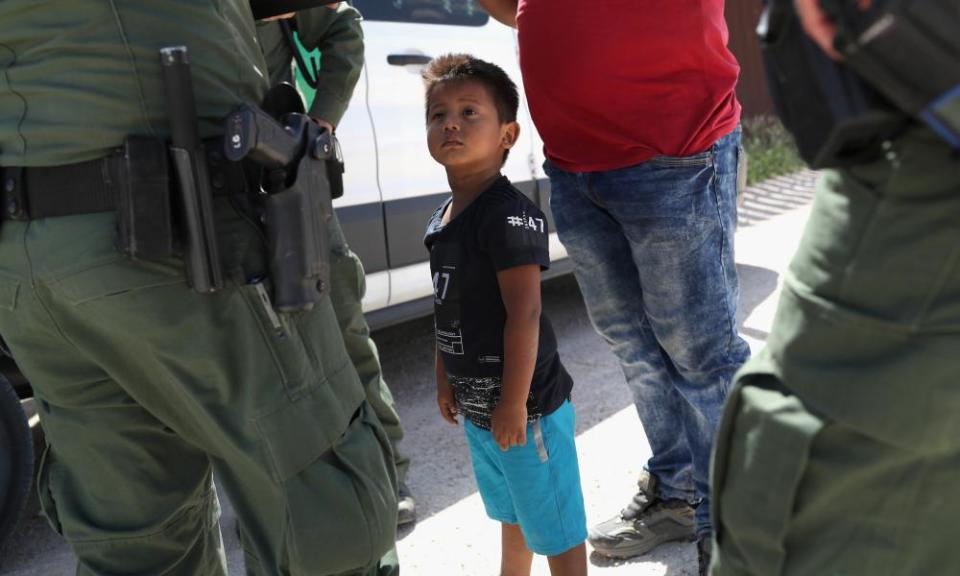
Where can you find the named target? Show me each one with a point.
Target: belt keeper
(14, 196)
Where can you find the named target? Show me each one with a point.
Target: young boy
(497, 362)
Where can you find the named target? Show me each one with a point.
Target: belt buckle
(14, 194)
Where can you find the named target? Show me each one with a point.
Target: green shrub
(770, 149)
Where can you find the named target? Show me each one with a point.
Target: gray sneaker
(406, 506)
(644, 524)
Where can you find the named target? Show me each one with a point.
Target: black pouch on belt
(144, 222)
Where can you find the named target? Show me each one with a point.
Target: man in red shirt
(635, 103)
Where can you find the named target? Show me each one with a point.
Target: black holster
(294, 154)
(299, 238)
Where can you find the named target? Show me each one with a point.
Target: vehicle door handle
(408, 59)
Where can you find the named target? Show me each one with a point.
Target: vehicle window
(452, 12)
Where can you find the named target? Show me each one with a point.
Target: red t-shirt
(612, 83)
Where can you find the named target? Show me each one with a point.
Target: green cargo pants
(348, 285)
(839, 450)
(146, 389)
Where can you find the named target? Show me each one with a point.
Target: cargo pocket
(282, 339)
(762, 452)
(45, 492)
(342, 509)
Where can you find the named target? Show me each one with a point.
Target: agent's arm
(503, 10)
(336, 32)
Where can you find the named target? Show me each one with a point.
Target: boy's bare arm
(520, 291)
(445, 399)
(503, 10)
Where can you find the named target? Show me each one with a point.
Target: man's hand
(446, 402)
(508, 424)
(818, 26)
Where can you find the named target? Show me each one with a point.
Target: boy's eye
(469, 112)
(436, 115)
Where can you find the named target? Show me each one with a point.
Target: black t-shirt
(501, 229)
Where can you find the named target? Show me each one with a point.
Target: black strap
(80, 188)
(31, 193)
(311, 74)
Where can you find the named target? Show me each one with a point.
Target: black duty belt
(31, 193)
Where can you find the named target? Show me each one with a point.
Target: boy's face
(464, 131)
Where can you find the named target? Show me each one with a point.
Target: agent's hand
(323, 124)
(508, 424)
(446, 402)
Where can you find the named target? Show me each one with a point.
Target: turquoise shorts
(536, 485)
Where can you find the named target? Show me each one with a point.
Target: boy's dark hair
(460, 67)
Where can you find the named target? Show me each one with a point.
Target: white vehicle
(392, 185)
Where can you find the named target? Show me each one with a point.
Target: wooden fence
(742, 17)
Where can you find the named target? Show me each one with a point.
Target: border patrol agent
(145, 387)
(338, 35)
(839, 448)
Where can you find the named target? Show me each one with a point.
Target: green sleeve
(337, 33)
(276, 51)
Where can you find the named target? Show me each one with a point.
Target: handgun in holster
(901, 64)
(294, 153)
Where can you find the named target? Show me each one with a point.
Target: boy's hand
(508, 424)
(448, 406)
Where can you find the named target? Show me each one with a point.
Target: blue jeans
(652, 248)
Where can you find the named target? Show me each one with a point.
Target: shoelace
(641, 501)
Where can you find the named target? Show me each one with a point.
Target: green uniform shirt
(66, 97)
(337, 33)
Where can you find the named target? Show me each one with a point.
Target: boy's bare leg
(515, 557)
(573, 562)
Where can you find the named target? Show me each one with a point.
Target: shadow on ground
(756, 285)
(669, 555)
(776, 196)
